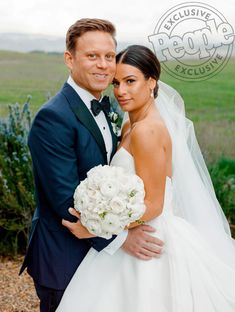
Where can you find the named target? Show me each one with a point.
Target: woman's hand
(76, 228)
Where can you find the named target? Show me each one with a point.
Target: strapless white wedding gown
(186, 278)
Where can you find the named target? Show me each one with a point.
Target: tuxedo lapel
(84, 115)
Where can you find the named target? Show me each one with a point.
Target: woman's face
(131, 88)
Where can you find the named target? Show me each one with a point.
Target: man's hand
(76, 228)
(142, 245)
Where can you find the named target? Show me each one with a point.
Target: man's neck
(81, 89)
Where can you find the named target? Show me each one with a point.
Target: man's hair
(84, 25)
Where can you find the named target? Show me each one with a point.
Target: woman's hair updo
(142, 58)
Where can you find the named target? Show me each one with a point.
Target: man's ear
(68, 59)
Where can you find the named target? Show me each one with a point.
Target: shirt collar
(84, 94)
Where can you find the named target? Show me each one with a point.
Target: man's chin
(101, 86)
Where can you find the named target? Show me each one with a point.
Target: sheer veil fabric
(193, 192)
(194, 196)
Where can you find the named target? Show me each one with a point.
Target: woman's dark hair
(142, 58)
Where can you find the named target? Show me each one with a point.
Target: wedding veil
(193, 192)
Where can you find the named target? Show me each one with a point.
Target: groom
(70, 135)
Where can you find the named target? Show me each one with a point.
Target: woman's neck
(141, 113)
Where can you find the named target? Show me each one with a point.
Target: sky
(134, 20)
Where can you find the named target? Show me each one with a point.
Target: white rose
(111, 224)
(80, 189)
(127, 183)
(109, 188)
(117, 205)
(94, 170)
(135, 196)
(93, 226)
(94, 195)
(87, 215)
(99, 171)
(100, 208)
(94, 176)
(136, 211)
(125, 220)
(93, 182)
(82, 202)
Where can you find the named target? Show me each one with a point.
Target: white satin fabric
(188, 277)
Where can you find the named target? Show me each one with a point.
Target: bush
(223, 178)
(16, 181)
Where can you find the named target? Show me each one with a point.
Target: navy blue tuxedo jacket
(65, 143)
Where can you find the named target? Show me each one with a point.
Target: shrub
(223, 178)
(16, 181)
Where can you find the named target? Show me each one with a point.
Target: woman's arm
(149, 152)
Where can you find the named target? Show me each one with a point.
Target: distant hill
(25, 42)
(31, 42)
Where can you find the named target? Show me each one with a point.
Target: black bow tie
(103, 105)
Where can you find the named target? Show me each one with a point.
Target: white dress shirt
(104, 129)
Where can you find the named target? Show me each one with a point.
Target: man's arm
(141, 244)
(51, 145)
(137, 242)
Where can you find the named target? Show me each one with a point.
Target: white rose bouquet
(109, 199)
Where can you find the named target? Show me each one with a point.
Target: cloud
(134, 20)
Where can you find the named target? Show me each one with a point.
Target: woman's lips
(123, 101)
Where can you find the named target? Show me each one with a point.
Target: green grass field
(210, 104)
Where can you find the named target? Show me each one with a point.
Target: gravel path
(17, 293)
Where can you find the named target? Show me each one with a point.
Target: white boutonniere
(116, 122)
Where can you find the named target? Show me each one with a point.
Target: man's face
(92, 64)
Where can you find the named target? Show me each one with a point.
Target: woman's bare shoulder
(148, 132)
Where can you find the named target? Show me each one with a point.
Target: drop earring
(152, 94)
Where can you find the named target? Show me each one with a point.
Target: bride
(196, 271)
